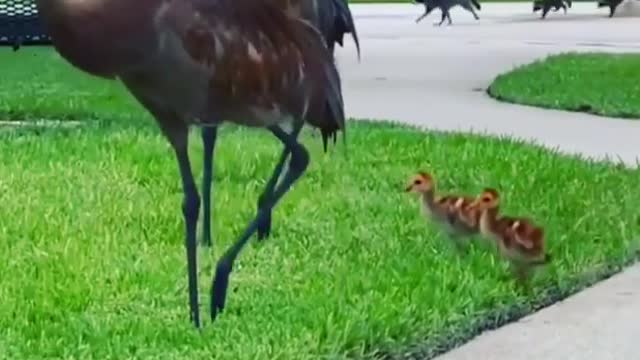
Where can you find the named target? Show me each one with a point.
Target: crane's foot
(219, 289)
(264, 226)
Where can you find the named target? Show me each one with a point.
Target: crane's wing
(258, 55)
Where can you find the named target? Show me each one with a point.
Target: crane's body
(205, 62)
(169, 54)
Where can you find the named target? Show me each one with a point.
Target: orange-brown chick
(441, 209)
(518, 239)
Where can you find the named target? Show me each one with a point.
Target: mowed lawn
(598, 83)
(91, 238)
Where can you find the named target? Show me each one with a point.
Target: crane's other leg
(297, 166)
(264, 228)
(209, 135)
(426, 12)
(442, 17)
(469, 7)
(178, 134)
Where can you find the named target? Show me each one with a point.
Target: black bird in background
(546, 5)
(612, 4)
(445, 6)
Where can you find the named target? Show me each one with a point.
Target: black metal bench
(19, 24)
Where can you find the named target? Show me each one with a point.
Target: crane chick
(442, 210)
(518, 239)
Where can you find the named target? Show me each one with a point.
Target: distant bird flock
(538, 5)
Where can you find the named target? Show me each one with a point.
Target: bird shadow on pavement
(553, 18)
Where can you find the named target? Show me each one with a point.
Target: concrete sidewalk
(435, 77)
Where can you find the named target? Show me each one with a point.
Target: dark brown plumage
(206, 62)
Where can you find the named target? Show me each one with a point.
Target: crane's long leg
(209, 135)
(469, 8)
(425, 14)
(264, 228)
(190, 209)
(177, 132)
(297, 165)
(443, 16)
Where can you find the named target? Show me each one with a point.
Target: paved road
(425, 75)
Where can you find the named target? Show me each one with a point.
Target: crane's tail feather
(335, 106)
(326, 109)
(345, 24)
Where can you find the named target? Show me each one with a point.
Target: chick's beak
(408, 188)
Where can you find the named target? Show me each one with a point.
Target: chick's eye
(417, 182)
(486, 199)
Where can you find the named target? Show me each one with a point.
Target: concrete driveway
(430, 76)
(436, 76)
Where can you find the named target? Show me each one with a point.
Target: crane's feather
(344, 24)
(257, 55)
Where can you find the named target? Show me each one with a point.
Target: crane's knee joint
(224, 267)
(191, 205)
(299, 158)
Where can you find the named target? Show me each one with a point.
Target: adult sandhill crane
(205, 62)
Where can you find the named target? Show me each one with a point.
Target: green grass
(91, 238)
(598, 83)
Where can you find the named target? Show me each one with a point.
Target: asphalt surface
(436, 76)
